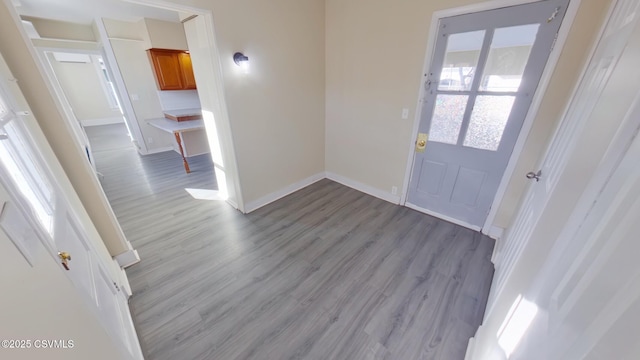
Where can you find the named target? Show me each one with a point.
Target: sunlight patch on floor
(206, 194)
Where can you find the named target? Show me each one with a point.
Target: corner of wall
(367, 189)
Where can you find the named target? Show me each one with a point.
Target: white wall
(179, 99)
(375, 53)
(165, 35)
(83, 89)
(53, 29)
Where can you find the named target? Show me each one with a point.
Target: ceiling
(85, 11)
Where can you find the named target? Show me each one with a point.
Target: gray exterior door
(485, 69)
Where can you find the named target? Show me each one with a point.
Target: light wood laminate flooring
(325, 273)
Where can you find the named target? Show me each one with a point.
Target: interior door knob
(532, 175)
(65, 257)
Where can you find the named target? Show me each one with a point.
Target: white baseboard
(102, 121)
(267, 199)
(127, 258)
(494, 232)
(232, 203)
(367, 189)
(158, 150)
(469, 354)
(495, 254)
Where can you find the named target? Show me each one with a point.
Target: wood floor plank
(324, 273)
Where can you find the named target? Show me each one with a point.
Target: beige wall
(277, 110)
(165, 35)
(83, 89)
(54, 126)
(136, 71)
(375, 53)
(61, 30)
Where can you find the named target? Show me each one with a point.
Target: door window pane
(508, 56)
(488, 120)
(460, 60)
(447, 118)
(19, 162)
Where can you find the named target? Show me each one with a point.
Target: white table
(177, 128)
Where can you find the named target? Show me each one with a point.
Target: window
(20, 163)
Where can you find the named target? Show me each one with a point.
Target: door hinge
(553, 14)
(427, 83)
(116, 285)
(553, 44)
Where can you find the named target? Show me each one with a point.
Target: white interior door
(38, 197)
(606, 57)
(485, 69)
(588, 293)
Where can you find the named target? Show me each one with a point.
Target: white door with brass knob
(483, 74)
(33, 197)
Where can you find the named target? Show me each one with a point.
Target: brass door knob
(422, 143)
(65, 257)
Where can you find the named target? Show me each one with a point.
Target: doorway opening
(88, 96)
(112, 49)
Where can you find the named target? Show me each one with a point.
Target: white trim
(494, 232)
(102, 121)
(468, 355)
(127, 258)
(62, 103)
(123, 281)
(66, 44)
(541, 90)
(159, 150)
(495, 254)
(232, 203)
(278, 194)
(443, 217)
(367, 189)
(538, 96)
(111, 63)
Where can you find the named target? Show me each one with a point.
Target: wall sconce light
(241, 60)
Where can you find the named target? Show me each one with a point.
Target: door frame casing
(488, 228)
(225, 131)
(63, 100)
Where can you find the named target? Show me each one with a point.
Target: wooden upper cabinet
(172, 69)
(187, 71)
